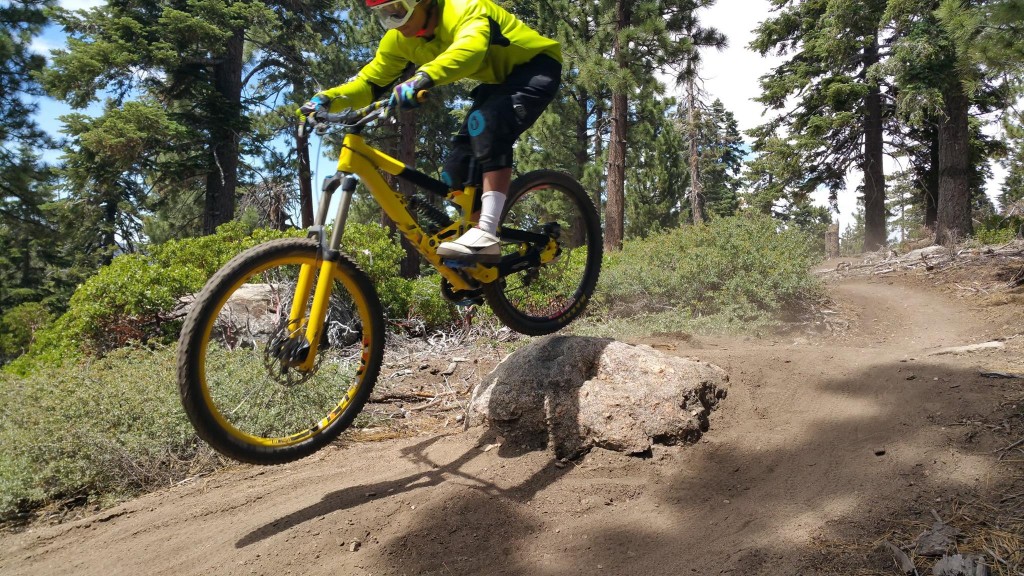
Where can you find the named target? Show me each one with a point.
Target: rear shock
(434, 218)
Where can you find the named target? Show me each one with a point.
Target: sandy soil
(824, 446)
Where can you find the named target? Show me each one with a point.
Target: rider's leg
(496, 183)
(498, 117)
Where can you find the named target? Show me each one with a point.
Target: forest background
(173, 147)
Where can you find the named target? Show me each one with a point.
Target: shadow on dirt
(438, 474)
(883, 448)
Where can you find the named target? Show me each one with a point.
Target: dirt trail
(821, 444)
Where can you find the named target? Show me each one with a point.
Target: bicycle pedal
(458, 264)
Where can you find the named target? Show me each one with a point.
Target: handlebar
(362, 116)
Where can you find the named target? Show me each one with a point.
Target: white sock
(491, 204)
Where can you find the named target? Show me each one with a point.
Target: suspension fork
(326, 265)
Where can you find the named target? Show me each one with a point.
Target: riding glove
(404, 94)
(316, 102)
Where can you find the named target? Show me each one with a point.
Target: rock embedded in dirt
(571, 394)
(970, 348)
(936, 541)
(959, 565)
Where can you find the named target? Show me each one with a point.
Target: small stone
(460, 418)
(354, 545)
(880, 452)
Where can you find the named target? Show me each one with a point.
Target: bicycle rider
(449, 40)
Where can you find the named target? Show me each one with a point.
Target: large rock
(571, 394)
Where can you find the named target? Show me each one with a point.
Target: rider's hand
(404, 94)
(317, 102)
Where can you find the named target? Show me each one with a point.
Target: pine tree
(838, 118)
(571, 135)
(776, 174)
(657, 176)
(1012, 191)
(27, 236)
(940, 77)
(106, 174)
(721, 160)
(698, 38)
(197, 58)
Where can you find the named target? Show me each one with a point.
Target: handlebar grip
(338, 118)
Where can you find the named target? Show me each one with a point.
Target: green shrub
(18, 327)
(112, 427)
(133, 298)
(999, 230)
(380, 257)
(427, 305)
(741, 268)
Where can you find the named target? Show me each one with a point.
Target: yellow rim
(362, 306)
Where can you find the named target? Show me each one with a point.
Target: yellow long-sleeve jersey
(474, 39)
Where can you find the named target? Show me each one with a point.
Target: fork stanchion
(318, 312)
(302, 288)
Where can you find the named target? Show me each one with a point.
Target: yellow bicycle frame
(366, 162)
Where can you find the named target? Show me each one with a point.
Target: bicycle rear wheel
(237, 373)
(542, 299)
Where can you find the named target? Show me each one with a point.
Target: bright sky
(731, 75)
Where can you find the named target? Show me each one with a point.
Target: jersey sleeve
(470, 39)
(387, 65)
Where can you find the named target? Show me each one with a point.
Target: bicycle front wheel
(239, 379)
(542, 299)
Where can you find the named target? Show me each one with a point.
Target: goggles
(394, 13)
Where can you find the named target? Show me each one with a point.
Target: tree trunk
(109, 229)
(598, 149)
(615, 211)
(696, 191)
(931, 191)
(954, 211)
(305, 173)
(832, 241)
(875, 235)
(222, 179)
(407, 153)
(582, 141)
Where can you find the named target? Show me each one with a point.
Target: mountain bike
(283, 345)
